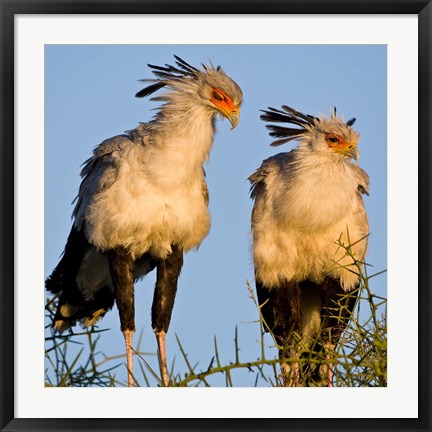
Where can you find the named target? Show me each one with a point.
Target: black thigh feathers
(281, 310)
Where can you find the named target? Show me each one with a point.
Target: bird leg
(128, 335)
(296, 373)
(336, 310)
(290, 372)
(122, 269)
(286, 303)
(329, 372)
(168, 271)
(160, 336)
(280, 308)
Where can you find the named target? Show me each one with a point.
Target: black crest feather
(186, 66)
(168, 72)
(150, 89)
(351, 121)
(286, 115)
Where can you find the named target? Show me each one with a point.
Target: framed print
(70, 72)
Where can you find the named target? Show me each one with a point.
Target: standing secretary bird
(309, 229)
(143, 203)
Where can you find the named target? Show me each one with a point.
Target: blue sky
(89, 96)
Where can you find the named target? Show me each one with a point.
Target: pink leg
(296, 371)
(329, 373)
(160, 336)
(128, 334)
(297, 381)
(291, 373)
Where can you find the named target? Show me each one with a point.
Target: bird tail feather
(72, 306)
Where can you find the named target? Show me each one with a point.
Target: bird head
(222, 94)
(334, 136)
(330, 136)
(210, 87)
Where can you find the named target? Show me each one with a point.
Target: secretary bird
(142, 204)
(309, 229)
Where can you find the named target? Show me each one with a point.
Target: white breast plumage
(148, 212)
(314, 199)
(299, 223)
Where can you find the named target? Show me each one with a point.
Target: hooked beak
(234, 118)
(353, 153)
(228, 109)
(349, 150)
(231, 113)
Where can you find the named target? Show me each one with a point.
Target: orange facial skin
(223, 102)
(337, 142)
(340, 145)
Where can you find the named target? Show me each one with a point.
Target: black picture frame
(9, 9)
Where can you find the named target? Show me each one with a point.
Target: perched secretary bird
(143, 203)
(310, 229)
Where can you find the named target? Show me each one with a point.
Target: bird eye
(333, 139)
(217, 96)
